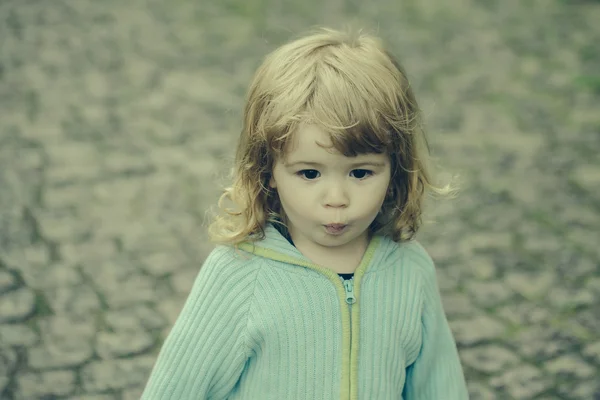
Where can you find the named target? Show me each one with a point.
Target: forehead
(309, 137)
(311, 143)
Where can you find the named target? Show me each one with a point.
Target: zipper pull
(349, 285)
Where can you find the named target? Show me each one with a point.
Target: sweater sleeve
(437, 372)
(205, 352)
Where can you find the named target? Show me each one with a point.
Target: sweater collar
(275, 246)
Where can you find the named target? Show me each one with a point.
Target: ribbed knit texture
(266, 323)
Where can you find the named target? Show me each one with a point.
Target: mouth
(335, 229)
(336, 226)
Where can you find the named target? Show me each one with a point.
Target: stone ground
(118, 119)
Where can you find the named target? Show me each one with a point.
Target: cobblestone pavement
(117, 120)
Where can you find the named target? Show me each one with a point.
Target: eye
(362, 173)
(308, 174)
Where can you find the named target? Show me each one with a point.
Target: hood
(276, 247)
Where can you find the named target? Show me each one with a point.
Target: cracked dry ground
(117, 118)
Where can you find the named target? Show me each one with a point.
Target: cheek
(379, 196)
(295, 201)
(292, 199)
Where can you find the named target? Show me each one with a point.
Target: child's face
(335, 190)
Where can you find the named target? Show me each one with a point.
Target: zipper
(349, 285)
(350, 299)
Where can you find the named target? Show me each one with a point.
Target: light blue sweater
(266, 323)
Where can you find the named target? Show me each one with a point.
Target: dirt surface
(118, 119)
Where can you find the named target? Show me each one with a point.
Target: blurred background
(118, 121)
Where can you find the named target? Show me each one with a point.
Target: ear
(272, 183)
(389, 194)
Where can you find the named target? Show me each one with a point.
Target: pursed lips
(336, 226)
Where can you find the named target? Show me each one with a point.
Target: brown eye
(362, 173)
(309, 174)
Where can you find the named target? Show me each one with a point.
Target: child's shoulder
(226, 275)
(414, 254)
(228, 259)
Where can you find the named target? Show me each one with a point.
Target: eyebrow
(316, 164)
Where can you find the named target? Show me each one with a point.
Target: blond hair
(350, 86)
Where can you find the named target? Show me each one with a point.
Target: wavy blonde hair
(350, 86)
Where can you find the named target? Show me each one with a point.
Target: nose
(336, 196)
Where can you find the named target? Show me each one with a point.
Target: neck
(345, 258)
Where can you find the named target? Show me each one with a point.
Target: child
(317, 289)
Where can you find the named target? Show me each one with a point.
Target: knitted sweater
(266, 323)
